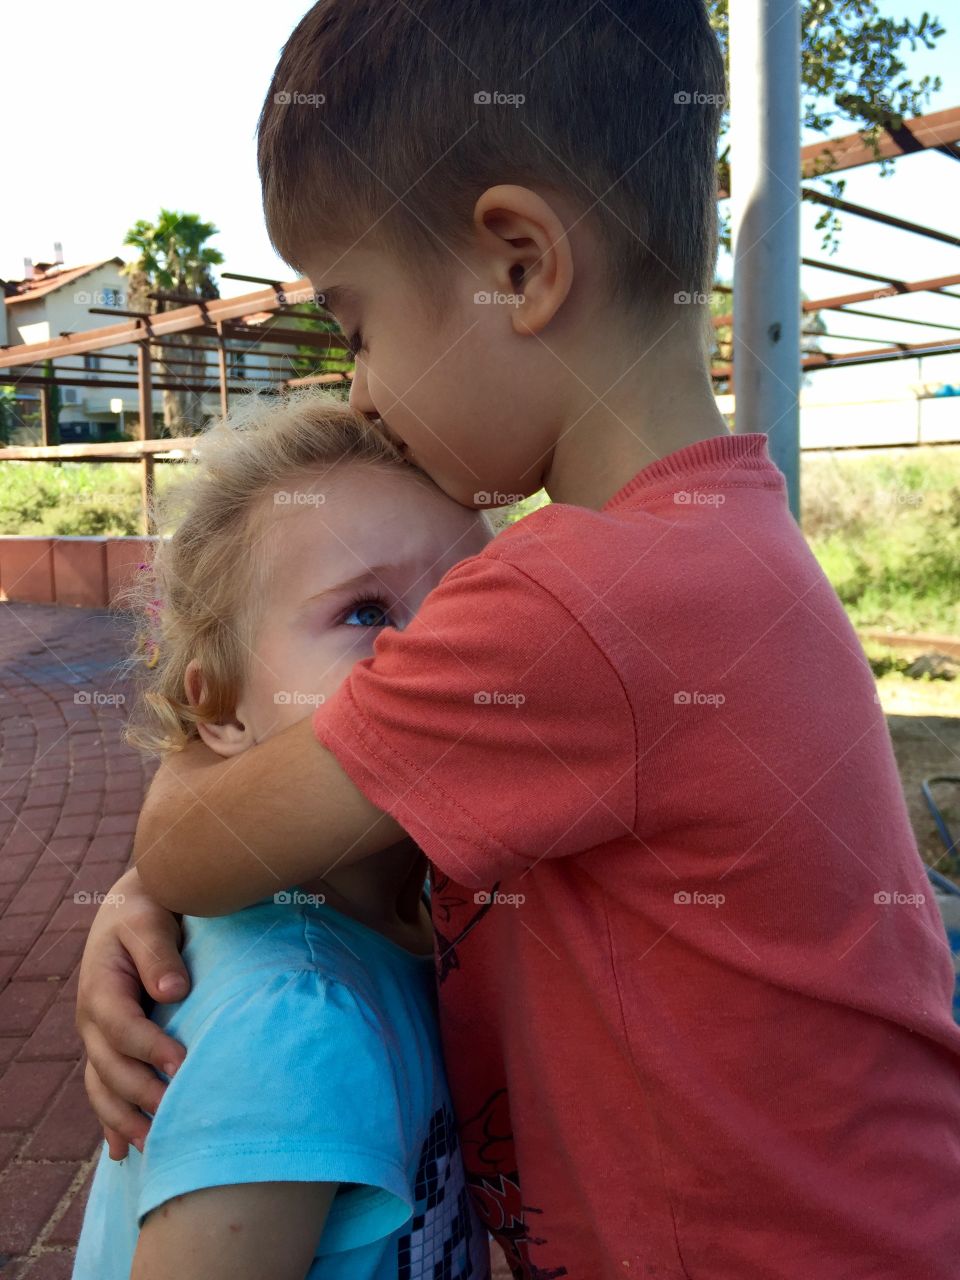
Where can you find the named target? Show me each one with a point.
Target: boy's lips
(393, 438)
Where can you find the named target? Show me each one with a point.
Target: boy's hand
(133, 942)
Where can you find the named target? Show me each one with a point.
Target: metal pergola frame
(219, 321)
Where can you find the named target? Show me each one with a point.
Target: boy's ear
(528, 250)
(226, 739)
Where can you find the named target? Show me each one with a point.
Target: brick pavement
(69, 795)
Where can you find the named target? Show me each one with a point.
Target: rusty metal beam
(824, 360)
(145, 397)
(936, 131)
(222, 368)
(114, 450)
(848, 271)
(938, 284)
(129, 384)
(888, 220)
(182, 320)
(877, 315)
(316, 379)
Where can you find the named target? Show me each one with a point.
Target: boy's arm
(216, 835)
(242, 1232)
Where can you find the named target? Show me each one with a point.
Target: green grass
(885, 524)
(43, 499)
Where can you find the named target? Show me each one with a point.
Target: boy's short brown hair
(391, 119)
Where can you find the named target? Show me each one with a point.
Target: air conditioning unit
(69, 395)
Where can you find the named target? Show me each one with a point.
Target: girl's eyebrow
(375, 574)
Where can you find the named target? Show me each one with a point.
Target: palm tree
(173, 257)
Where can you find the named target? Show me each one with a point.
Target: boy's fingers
(151, 937)
(122, 1058)
(117, 1145)
(121, 1122)
(109, 1009)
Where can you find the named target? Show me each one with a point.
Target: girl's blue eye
(368, 613)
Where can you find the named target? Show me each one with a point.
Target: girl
(309, 1132)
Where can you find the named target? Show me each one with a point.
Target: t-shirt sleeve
(493, 728)
(291, 1081)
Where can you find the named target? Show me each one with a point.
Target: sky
(114, 109)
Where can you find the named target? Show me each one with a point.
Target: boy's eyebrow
(336, 295)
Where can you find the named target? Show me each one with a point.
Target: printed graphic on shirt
(491, 1162)
(441, 1243)
(444, 901)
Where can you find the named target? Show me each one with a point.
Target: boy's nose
(360, 395)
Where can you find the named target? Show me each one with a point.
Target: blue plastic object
(944, 887)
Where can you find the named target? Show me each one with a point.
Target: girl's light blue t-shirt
(313, 1055)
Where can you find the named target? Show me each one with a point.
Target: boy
(695, 1003)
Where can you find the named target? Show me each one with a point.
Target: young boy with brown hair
(695, 1002)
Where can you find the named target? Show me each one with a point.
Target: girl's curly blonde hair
(197, 600)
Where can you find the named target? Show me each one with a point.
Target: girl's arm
(241, 1232)
(217, 835)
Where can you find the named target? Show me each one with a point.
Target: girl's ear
(226, 739)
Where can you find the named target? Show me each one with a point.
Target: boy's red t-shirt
(694, 989)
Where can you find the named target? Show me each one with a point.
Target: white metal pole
(765, 198)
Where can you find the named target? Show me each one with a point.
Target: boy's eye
(368, 613)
